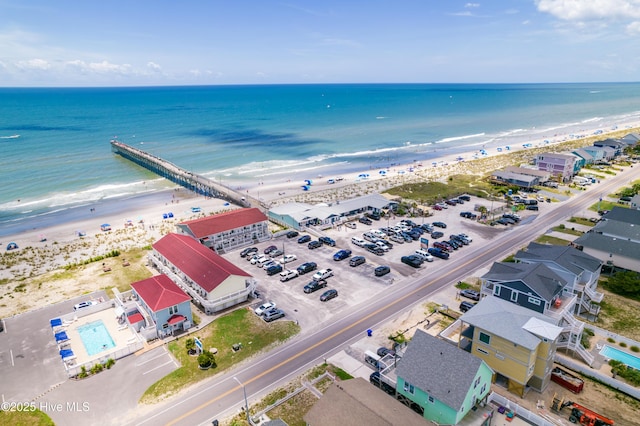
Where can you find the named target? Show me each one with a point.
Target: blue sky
(160, 42)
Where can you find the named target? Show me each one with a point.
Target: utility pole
(246, 403)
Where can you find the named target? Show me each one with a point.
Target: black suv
(306, 267)
(365, 220)
(292, 234)
(382, 270)
(328, 241)
(314, 286)
(314, 244)
(246, 252)
(465, 306)
(412, 260)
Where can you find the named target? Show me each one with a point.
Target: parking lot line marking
(160, 366)
(11, 352)
(151, 359)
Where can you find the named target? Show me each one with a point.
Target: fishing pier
(192, 181)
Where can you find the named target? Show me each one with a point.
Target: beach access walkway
(192, 181)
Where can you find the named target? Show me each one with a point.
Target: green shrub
(96, 369)
(611, 340)
(623, 345)
(83, 372)
(109, 363)
(634, 348)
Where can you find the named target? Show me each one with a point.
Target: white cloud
(33, 64)
(633, 29)
(587, 10)
(153, 66)
(470, 5)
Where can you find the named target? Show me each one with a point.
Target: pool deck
(121, 336)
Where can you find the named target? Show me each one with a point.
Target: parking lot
(358, 284)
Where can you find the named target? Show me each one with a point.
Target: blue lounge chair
(61, 336)
(56, 322)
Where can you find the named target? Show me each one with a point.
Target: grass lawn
(566, 230)
(546, 239)
(240, 326)
(25, 418)
(582, 221)
(432, 192)
(619, 314)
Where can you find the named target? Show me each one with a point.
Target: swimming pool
(613, 353)
(95, 337)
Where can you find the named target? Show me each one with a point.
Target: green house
(445, 381)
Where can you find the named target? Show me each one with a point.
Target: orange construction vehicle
(586, 417)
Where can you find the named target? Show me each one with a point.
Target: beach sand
(63, 245)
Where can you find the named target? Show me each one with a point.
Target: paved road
(223, 395)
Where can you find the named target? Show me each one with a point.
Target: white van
(424, 255)
(358, 241)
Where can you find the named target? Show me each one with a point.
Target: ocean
(55, 154)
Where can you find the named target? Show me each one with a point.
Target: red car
(437, 207)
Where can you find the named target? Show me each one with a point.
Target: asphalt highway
(222, 396)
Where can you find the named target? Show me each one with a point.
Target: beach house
(523, 181)
(213, 282)
(538, 288)
(615, 240)
(445, 381)
(230, 230)
(561, 166)
(579, 270)
(518, 344)
(164, 303)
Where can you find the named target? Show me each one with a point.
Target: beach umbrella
(383, 172)
(308, 182)
(305, 187)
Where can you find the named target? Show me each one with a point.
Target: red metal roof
(134, 318)
(201, 264)
(215, 224)
(175, 319)
(160, 292)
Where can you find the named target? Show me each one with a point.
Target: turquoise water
(55, 153)
(618, 355)
(95, 337)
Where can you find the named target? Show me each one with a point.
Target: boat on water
(10, 137)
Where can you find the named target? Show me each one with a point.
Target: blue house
(447, 382)
(166, 304)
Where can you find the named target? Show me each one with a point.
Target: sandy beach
(139, 221)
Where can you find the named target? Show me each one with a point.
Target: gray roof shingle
(537, 276)
(567, 257)
(439, 368)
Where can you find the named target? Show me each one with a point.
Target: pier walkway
(192, 181)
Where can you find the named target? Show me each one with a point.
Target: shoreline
(62, 225)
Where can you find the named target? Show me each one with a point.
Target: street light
(246, 403)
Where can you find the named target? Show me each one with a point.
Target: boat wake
(10, 137)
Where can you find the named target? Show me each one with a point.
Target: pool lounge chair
(61, 337)
(56, 322)
(67, 355)
(599, 346)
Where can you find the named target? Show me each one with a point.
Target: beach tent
(105, 227)
(170, 214)
(165, 216)
(12, 246)
(81, 233)
(383, 172)
(61, 337)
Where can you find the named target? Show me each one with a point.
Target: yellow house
(517, 343)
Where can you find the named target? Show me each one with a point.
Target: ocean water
(55, 154)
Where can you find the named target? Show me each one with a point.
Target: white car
(259, 259)
(288, 258)
(470, 239)
(287, 275)
(260, 310)
(84, 304)
(424, 255)
(322, 274)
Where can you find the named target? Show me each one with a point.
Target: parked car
(269, 263)
(532, 207)
(373, 215)
(274, 269)
(441, 245)
(328, 241)
(314, 286)
(437, 207)
(276, 253)
(304, 239)
(323, 274)
(292, 234)
(264, 308)
(341, 255)
(440, 224)
(375, 380)
(465, 306)
(273, 315)
(438, 253)
(306, 267)
(465, 236)
(424, 255)
(358, 241)
(382, 351)
(381, 270)
(465, 197)
(248, 251)
(357, 260)
(375, 249)
(351, 225)
(437, 234)
(84, 304)
(365, 220)
(287, 258)
(288, 274)
(314, 244)
(259, 260)
(470, 294)
(328, 295)
(270, 249)
(412, 260)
